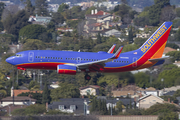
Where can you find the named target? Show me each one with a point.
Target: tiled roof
(17, 92)
(150, 89)
(122, 93)
(150, 95)
(18, 98)
(90, 86)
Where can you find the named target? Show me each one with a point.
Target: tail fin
(154, 46)
(111, 50)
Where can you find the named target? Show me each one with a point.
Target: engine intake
(66, 69)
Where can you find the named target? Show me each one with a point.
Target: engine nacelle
(66, 69)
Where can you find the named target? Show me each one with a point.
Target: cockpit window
(18, 55)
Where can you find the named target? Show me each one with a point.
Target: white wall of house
(91, 91)
(152, 92)
(149, 101)
(105, 19)
(17, 103)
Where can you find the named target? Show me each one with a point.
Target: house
(170, 93)
(39, 20)
(112, 32)
(19, 100)
(100, 22)
(71, 105)
(151, 90)
(77, 105)
(148, 100)
(124, 94)
(89, 90)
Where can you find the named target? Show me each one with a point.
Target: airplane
(72, 62)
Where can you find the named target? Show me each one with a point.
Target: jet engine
(67, 69)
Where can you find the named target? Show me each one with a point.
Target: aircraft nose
(10, 60)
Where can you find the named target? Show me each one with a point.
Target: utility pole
(17, 77)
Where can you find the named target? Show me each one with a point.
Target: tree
(46, 95)
(31, 32)
(119, 106)
(130, 35)
(124, 1)
(141, 79)
(172, 45)
(29, 7)
(34, 44)
(65, 90)
(167, 14)
(35, 109)
(98, 38)
(14, 23)
(41, 7)
(178, 12)
(175, 55)
(63, 7)
(168, 116)
(161, 108)
(57, 18)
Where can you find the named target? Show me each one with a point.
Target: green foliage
(33, 44)
(142, 79)
(35, 109)
(31, 32)
(175, 55)
(88, 11)
(178, 12)
(98, 106)
(46, 95)
(172, 45)
(37, 96)
(119, 106)
(14, 23)
(161, 108)
(41, 7)
(130, 47)
(57, 18)
(139, 41)
(65, 90)
(108, 80)
(168, 116)
(32, 84)
(63, 7)
(29, 7)
(56, 112)
(169, 76)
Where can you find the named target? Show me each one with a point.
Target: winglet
(116, 55)
(111, 50)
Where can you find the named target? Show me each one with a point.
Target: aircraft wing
(100, 62)
(158, 59)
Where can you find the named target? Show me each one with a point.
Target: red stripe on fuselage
(41, 65)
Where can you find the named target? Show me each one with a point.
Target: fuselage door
(78, 60)
(134, 65)
(31, 56)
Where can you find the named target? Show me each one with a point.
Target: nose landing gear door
(31, 56)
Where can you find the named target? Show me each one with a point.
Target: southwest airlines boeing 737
(70, 62)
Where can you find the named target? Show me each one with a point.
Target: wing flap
(158, 59)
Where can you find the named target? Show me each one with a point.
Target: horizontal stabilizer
(158, 59)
